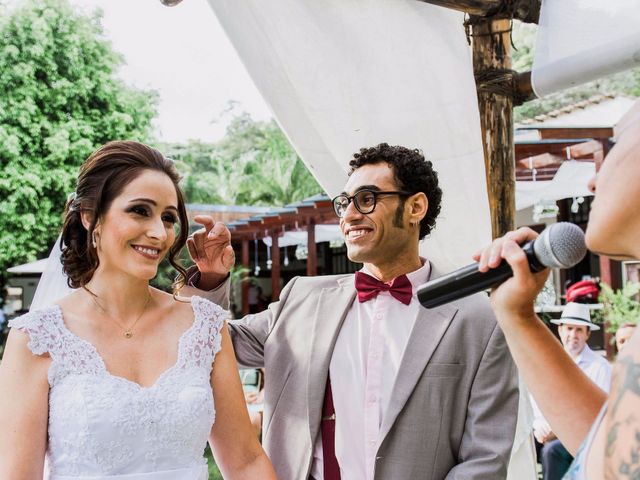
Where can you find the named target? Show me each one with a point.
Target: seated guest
(574, 328)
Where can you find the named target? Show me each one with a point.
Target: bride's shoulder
(35, 331)
(198, 306)
(36, 319)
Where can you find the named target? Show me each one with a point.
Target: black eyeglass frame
(375, 193)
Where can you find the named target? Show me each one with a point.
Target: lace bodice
(102, 425)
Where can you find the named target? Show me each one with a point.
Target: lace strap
(43, 329)
(48, 334)
(206, 335)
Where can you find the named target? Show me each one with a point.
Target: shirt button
(372, 442)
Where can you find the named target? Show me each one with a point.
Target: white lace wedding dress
(102, 426)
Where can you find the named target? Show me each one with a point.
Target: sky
(183, 53)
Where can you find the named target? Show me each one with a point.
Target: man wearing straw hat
(574, 328)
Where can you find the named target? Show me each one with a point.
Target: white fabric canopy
(582, 40)
(569, 181)
(344, 74)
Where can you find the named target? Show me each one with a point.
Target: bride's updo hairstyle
(103, 176)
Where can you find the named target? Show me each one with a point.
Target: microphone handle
(461, 283)
(468, 280)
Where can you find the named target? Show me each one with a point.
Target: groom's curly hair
(103, 176)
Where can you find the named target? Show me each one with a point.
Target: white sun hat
(576, 314)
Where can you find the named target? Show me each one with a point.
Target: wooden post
(492, 51)
(245, 277)
(275, 265)
(312, 253)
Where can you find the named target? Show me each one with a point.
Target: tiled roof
(596, 99)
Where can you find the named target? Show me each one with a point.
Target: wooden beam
(245, 277)
(539, 161)
(554, 147)
(569, 132)
(527, 11)
(524, 87)
(491, 51)
(312, 252)
(275, 265)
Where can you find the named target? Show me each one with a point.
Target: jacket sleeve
(219, 295)
(249, 334)
(491, 415)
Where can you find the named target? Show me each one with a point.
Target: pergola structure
(557, 145)
(304, 215)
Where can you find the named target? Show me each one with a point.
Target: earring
(94, 240)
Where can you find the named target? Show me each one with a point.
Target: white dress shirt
(595, 366)
(363, 369)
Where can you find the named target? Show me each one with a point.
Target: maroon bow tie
(369, 287)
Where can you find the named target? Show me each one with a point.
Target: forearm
(257, 467)
(568, 399)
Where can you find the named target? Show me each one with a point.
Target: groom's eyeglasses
(364, 200)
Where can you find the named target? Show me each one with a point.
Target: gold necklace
(128, 332)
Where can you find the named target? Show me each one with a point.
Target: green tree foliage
(253, 164)
(524, 39)
(619, 306)
(59, 100)
(624, 83)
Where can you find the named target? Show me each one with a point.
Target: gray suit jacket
(454, 405)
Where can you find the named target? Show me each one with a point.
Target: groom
(362, 382)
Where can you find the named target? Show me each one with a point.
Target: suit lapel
(333, 305)
(430, 326)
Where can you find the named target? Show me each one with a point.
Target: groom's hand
(210, 249)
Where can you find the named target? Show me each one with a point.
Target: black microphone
(559, 246)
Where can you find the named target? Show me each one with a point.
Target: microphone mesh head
(560, 245)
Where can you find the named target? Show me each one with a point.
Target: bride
(117, 380)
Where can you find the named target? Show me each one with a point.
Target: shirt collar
(417, 277)
(585, 356)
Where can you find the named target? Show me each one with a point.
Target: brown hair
(102, 178)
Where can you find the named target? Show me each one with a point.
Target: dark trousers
(555, 460)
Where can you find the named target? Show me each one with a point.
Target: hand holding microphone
(521, 254)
